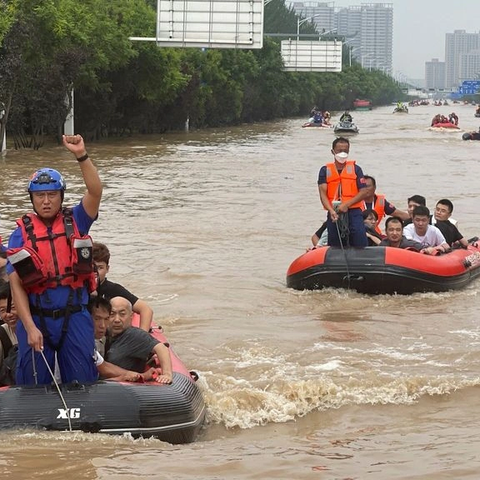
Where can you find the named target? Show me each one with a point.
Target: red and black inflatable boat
(384, 270)
(173, 413)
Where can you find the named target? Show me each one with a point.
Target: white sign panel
(210, 23)
(306, 56)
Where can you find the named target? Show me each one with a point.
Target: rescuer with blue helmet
(51, 275)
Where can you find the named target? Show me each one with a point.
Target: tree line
(49, 47)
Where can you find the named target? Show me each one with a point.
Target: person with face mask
(342, 188)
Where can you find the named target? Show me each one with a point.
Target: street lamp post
(301, 22)
(324, 34)
(364, 57)
(350, 51)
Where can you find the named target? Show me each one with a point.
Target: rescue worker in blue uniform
(51, 275)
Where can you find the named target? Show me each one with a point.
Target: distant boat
(360, 105)
(402, 109)
(346, 127)
(316, 125)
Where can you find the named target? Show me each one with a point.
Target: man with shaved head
(131, 347)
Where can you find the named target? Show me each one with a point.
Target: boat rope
(67, 410)
(343, 233)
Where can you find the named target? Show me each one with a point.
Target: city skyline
(420, 27)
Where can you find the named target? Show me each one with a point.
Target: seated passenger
(320, 237)
(380, 204)
(8, 337)
(100, 310)
(370, 219)
(130, 347)
(443, 212)
(429, 236)
(395, 238)
(109, 290)
(412, 202)
(452, 118)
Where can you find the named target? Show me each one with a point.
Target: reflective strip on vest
(18, 256)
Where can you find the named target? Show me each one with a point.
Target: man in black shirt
(109, 290)
(443, 212)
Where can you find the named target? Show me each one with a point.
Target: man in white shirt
(428, 235)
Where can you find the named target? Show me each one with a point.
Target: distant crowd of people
(452, 118)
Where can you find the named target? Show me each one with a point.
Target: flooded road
(299, 385)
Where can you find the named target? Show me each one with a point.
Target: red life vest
(347, 179)
(53, 256)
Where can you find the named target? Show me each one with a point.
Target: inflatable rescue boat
(384, 270)
(446, 125)
(173, 413)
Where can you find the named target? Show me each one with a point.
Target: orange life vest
(53, 256)
(347, 180)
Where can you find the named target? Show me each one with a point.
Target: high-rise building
(469, 66)
(376, 32)
(368, 29)
(435, 74)
(460, 57)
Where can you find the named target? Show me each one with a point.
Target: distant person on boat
(108, 289)
(51, 275)
(317, 118)
(436, 119)
(452, 118)
(395, 238)
(442, 215)
(370, 219)
(346, 117)
(130, 347)
(313, 111)
(429, 236)
(342, 189)
(380, 204)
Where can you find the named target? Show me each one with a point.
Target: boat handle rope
(344, 230)
(67, 410)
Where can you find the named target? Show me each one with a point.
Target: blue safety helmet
(46, 179)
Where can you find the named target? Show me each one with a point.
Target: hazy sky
(419, 28)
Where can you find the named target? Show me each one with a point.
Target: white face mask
(341, 157)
